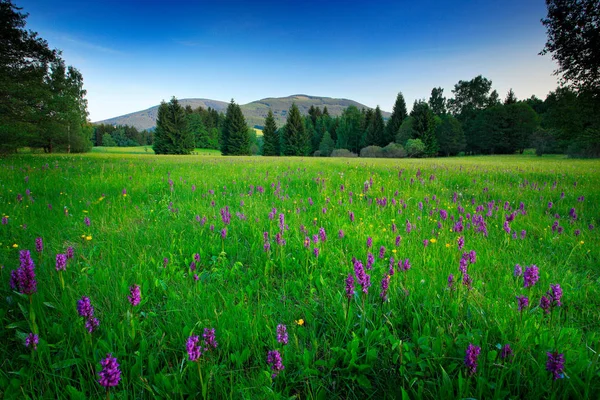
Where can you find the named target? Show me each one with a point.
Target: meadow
(253, 277)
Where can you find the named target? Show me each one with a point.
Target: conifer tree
(172, 135)
(326, 146)
(510, 98)
(236, 138)
(270, 136)
(399, 114)
(295, 142)
(377, 129)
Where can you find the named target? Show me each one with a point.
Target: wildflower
(223, 233)
(282, 335)
(165, 262)
(4, 220)
(425, 242)
(32, 340)
(274, 360)
(341, 234)
(385, 284)
(88, 237)
(556, 365)
(391, 270)
(443, 214)
(61, 262)
(451, 281)
(523, 302)
(506, 352)
(467, 281)
(349, 286)
(110, 374)
(398, 239)
(472, 257)
(406, 265)
(550, 205)
(193, 348)
(300, 322)
(39, 245)
(471, 358)
(461, 242)
(322, 235)
(382, 252)
(370, 261)
(209, 338)
(135, 295)
(23, 278)
(531, 276)
(316, 251)
(369, 242)
(91, 324)
(518, 271)
(197, 257)
(433, 240)
(555, 295)
(87, 221)
(85, 308)
(70, 252)
(523, 234)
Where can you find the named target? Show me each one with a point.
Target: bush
(393, 150)
(415, 148)
(317, 153)
(343, 153)
(371, 152)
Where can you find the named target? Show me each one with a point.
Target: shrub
(371, 152)
(343, 153)
(415, 148)
(393, 150)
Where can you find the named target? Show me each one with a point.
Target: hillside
(255, 112)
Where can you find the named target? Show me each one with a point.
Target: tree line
(42, 100)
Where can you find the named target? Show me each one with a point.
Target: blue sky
(133, 54)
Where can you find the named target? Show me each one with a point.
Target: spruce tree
(377, 129)
(424, 125)
(236, 138)
(510, 98)
(325, 111)
(295, 142)
(326, 146)
(270, 136)
(399, 114)
(172, 135)
(437, 101)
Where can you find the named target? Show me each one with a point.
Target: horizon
(365, 53)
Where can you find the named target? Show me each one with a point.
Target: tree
(494, 99)
(450, 135)
(415, 148)
(406, 131)
(326, 146)
(235, 138)
(375, 130)
(270, 136)
(172, 135)
(470, 95)
(437, 101)
(510, 98)
(295, 142)
(399, 114)
(424, 126)
(350, 133)
(573, 29)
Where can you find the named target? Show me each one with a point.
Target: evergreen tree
(510, 98)
(325, 111)
(494, 99)
(295, 141)
(350, 130)
(270, 136)
(235, 137)
(450, 135)
(375, 130)
(172, 135)
(326, 146)
(437, 101)
(424, 126)
(399, 114)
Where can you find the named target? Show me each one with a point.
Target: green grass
(145, 208)
(147, 150)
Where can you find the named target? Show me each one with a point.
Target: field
(384, 273)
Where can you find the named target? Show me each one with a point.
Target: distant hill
(255, 112)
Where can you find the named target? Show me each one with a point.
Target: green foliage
(271, 139)
(573, 33)
(424, 126)
(108, 141)
(375, 129)
(172, 135)
(350, 133)
(437, 101)
(236, 137)
(399, 114)
(510, 98)
(406, 131)
(295, 139)
(327, 145)
(415, 148)
(450, 135)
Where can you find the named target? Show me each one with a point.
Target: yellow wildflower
(88, 237)
(433, 240)
(300, 322)
(15, 245)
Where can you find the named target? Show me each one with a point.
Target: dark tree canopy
(510, 98)
(437, 101)
(573, 28)
(399, 114)
(295, 140)
(172, 135)
(235, 138)
(270, 136)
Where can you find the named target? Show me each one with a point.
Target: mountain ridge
(254, 112)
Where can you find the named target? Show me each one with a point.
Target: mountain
(254, 112)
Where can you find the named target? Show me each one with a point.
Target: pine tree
(437, 101)
(326, 146)
(325, 111)
(172, 135)
(399, 114)
(510, 98)
(270, 136)
(295, 142)
(377, 126)
(424, 125)
(236, 138)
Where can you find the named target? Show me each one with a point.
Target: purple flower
(223, 233)
(193, 348)
(471, 358)
(545, 304)
(39, 245)
(523, 234)
(165, 262)
(110, 374)
(555, 294)
(23, 278)
(382, 252)
(461, 242)
(209, 338)
(550, 205)
(443, 214)
(322, 235)
(506, 352)
(518, 270)
(556, 365)
(369, 242)
(523, 302)
(70, 252)
(4, 220)
(85, 308)
(32, 340)
(391, 270)
(467, 281)
(87, 221)
(197, 257)
(531, 276)
(274, 360)
(451, 281)
(341, 234)
(135, 295)
(406, 265)
(316, 251)
(349, 286)
(282, 335)
(370, 261)
(472, 257)
(385, 284)
(61, 262)
(398, 239)
(91, 324)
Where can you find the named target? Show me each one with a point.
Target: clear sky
(133, 54)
